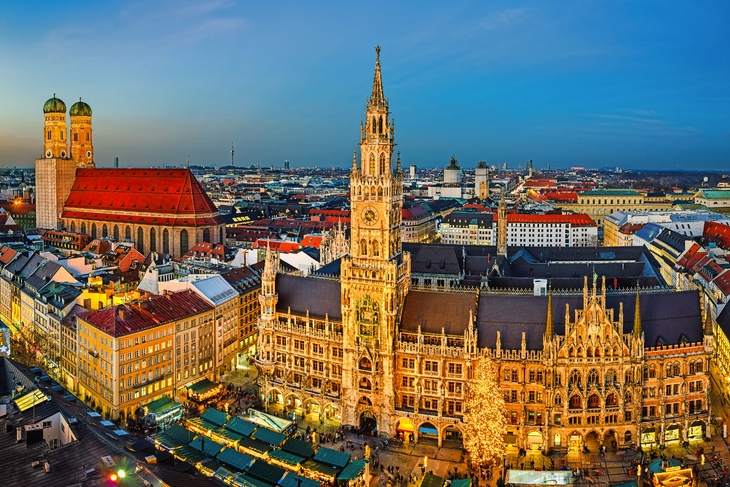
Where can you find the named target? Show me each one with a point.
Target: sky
(630, 84)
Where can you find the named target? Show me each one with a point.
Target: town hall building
(596, 349)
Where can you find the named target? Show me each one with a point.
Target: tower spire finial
(637, 314)
(377, 98)
(549, 327)
(354, 161)
(397, 166)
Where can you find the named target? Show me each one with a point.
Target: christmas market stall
(355, 474)
(203, 390)
(431, 480)
(292, 454)
(265, 472)
(326, 465)
(461, 483)
(173, 438)
(670, 473)
(163, 412)
(233, 460)
(290, 479)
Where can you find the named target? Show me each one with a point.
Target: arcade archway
(405, 430)
(534, 440)
(428, 433)
(368, 423)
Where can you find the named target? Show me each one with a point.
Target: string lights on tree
(484, 419)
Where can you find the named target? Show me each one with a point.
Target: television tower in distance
(231, 154)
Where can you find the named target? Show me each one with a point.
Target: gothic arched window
(153, 240)
(49, 135)
(575, 379)
(128, 234)
(165, 241)
(115, 232)
(140, 239)
(93, 230)
(363, 247)
(83, 227)
(371, 164)
(87, 137)
(104, 231)
(76, 137)
(380, 125)
(376, 248)
(382, 163)
(575, 402)
(206, 235)
(375, 126)
(183, 242)
(592, 377)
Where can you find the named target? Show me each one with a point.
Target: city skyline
(568, 84)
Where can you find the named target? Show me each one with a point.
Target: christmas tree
(484, 420)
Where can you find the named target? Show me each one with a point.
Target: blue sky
(596, 83)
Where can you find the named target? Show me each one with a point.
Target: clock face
(49, 153)
(369, 215)
(88, 154)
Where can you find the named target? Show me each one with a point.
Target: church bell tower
(376, 273)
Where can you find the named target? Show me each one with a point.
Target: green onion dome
(54, 105)
(80, 109)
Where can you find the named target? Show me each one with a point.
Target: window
(432, 366)
(166, 241)
(184, 242)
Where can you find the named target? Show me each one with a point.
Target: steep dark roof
(435, 259)
(318, 296)
(435, 310)
(668, 316)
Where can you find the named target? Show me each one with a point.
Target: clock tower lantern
(376, 273)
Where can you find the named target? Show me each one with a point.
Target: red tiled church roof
(173, 194)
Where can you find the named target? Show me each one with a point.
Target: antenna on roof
(232, 154)
(188, 162)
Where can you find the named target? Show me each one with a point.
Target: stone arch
(365, 364)
(332, 411)
(576, 401)
(592, 441)
(311, 406)
(365, 384)
(292, 401)
(404, 428)
(610, 440)
(594, 401)
(451, 432)
(534, 440)
(575, 441)
(275, 396)
(427, 430)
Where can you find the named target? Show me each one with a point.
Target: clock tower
(376, 273)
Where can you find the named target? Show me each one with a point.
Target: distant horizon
(602, 84)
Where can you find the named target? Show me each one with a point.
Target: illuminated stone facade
(577, 367)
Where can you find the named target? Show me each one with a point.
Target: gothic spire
(377, 98)
(708, 321)
(397, 167)
(637, 314)
(549, 328)
(354, 161)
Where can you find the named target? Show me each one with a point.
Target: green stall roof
(162, 405)
(290, 479)
(202, 386)
(234, 459)
(177, 434)
(321, 468)
(254, 445)
(287, 457)
(206, 445)
(461, 483)
(246, 481)
(332, 457)
(268, 436)
(353, 470)
(431, 480)
(266, 472)
(240, 426)
(298, 447)
(212, 415)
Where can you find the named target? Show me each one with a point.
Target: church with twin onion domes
(157, 209)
